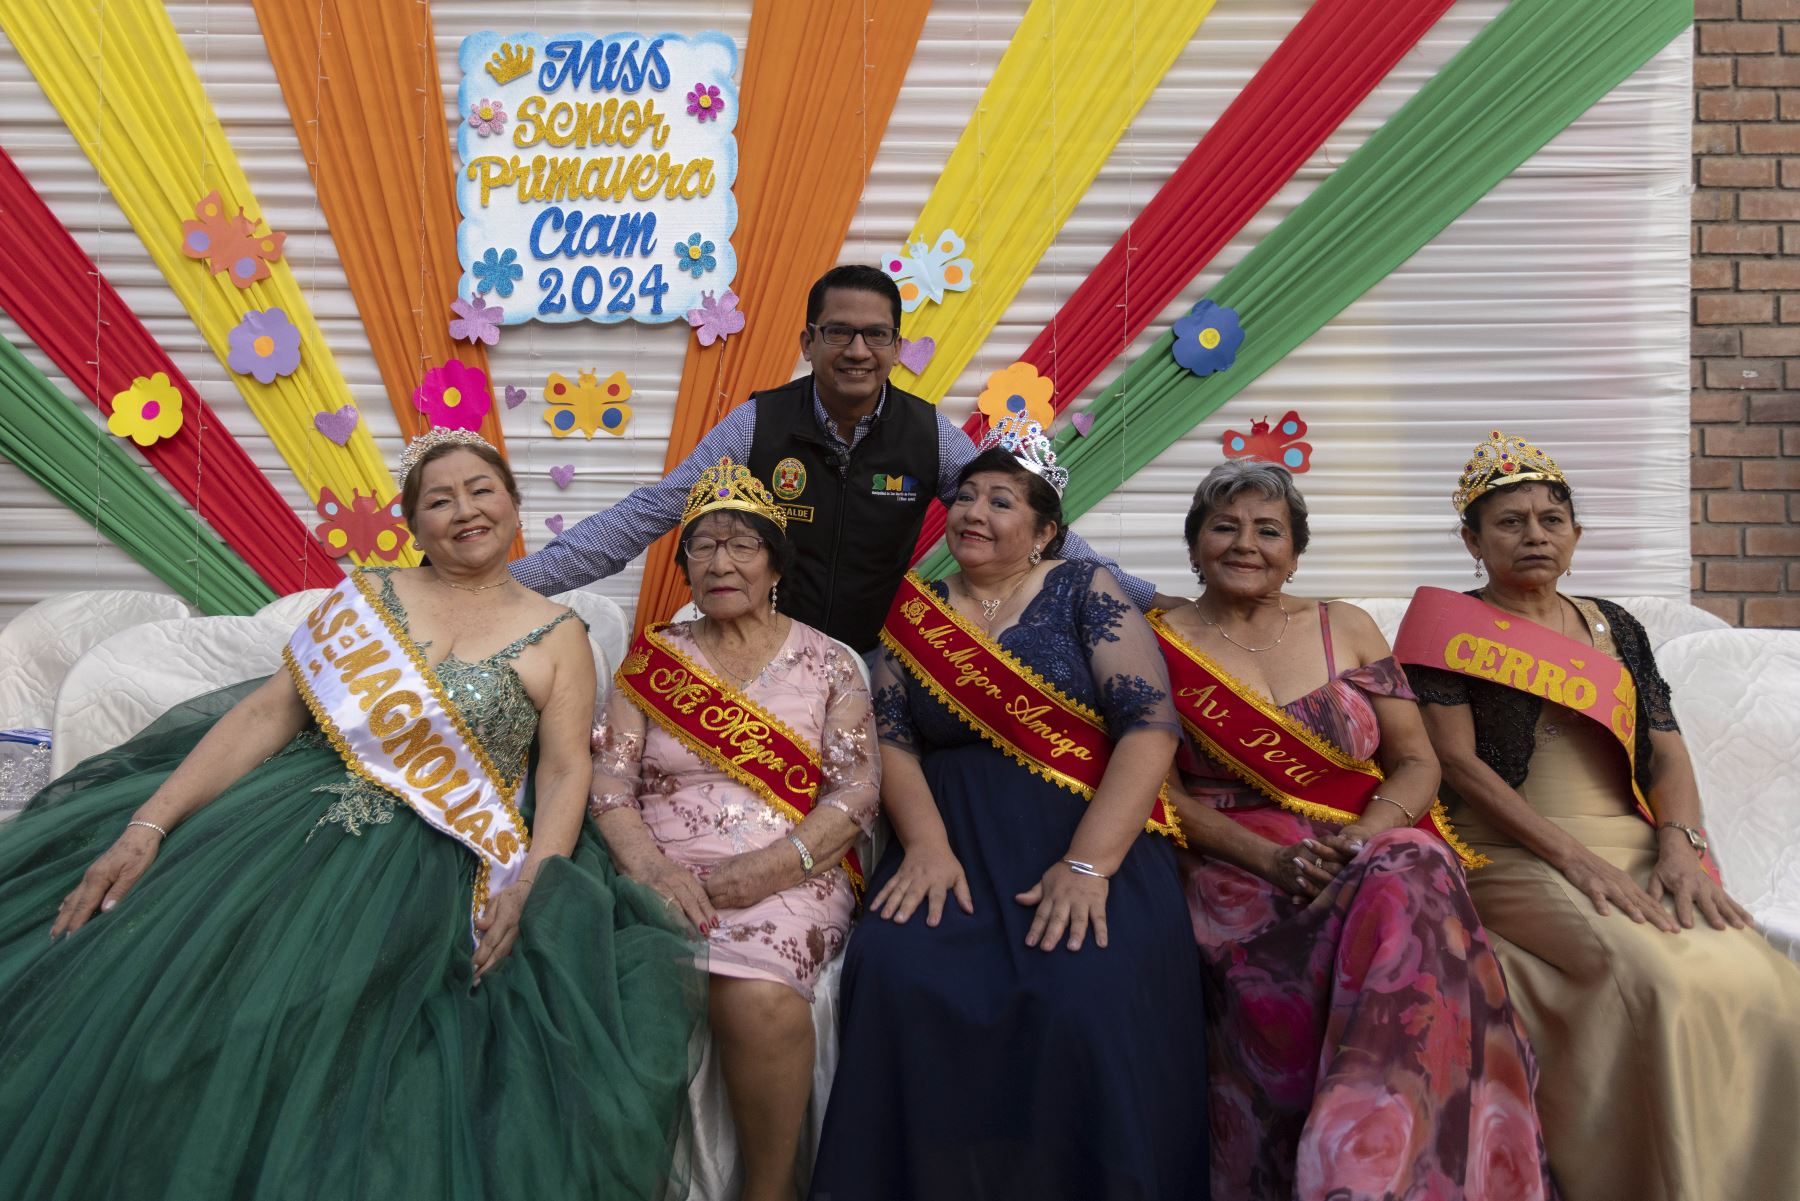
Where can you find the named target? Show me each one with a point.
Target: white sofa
(38, 646)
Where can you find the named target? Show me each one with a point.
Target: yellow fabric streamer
(1071, 80)
(130, 96)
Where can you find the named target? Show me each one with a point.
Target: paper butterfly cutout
(588, 405)
(925, 271)
(1280, 445)
(229, 244)
(361, 527)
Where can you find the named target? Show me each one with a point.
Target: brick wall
(1746, 278)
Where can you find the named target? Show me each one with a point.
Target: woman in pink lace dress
(1361, 1042)
(765, 887)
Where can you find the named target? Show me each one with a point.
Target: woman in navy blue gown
(1022, 1002)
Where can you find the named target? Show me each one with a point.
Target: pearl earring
(774, 594)
(1199, 576)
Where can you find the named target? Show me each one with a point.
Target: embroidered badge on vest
(789, 478)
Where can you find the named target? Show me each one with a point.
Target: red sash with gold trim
(1014, 708)
(1278, 756)
(1453, 632)
(727, 729)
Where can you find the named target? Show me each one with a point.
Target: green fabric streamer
(59, 447)
(1530, 72)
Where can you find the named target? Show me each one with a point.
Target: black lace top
(1506, 718)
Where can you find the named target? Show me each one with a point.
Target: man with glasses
(853, 460)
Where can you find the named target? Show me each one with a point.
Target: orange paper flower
(1018, 389)
(146, 412)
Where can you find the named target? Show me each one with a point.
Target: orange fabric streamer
(819, 82)
(361, 84)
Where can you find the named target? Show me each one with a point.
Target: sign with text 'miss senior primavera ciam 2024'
(596, 174)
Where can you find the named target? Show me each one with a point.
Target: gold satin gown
(1669, 1063)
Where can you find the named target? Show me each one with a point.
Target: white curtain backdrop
(1556, 308)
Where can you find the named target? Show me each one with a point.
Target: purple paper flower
(704, 103)
(454, 395)
(487, 117)
(476, 320)
(1207, 339)
(715, 320)
(265, 344)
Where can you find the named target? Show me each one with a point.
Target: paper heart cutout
(337, 426)
(1504, 625)
(562, 475)
(514, 396)
(1083, 422)
(915, 355)
(555, 523)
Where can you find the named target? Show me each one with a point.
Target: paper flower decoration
(487, 117)
(695, 256)
(587, 405)
(715, 320)
(1281, 445)
(454, 395)
(496, 272)
(265, 344)
(362, 527)
(704, 103)
(926, 270)
(1017, 389)
(146, 412)
(229, 244)
(1207, 339)
(476, 320)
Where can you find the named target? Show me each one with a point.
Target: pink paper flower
(454, 395)
(265, 344)
(704, 103)
(487, 117)
(715, 320)
(476, 320)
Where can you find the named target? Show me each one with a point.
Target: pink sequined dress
(700, 816)
(1362, 1047)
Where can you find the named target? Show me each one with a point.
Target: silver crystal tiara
(1026, 441)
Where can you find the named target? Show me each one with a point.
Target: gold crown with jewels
(512, 60)
(1501, 461)
(731, 486)
(434, 437)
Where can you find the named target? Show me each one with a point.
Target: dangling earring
(1479, 571)
(1036, 556)
(774, 594)
(1199, 577)
(1571, 571)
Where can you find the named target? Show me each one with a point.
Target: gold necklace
(716, 653)
(1286, 617)
(990, 607)
(471, 587)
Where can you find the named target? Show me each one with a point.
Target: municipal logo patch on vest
(788, 480)
(895, 487)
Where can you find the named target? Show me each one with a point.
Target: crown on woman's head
(1501, 461)
(731, 486)
(435, 437)
(1026, 441)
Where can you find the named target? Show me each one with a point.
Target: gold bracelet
(1410, 819)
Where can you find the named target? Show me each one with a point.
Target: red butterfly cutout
(1281, 445)
(229, 244)
(361, 527)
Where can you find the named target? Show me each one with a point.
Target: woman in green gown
(232, 965)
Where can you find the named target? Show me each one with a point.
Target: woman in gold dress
(1667, 1029)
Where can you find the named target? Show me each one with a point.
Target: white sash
(386, 713)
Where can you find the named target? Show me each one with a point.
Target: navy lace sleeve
(893, 713)
(1126, 663)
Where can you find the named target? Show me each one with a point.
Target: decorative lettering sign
(597, 173)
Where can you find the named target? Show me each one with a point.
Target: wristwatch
(806, 859)
(1695, 835)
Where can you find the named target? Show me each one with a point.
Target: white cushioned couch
(110, 663)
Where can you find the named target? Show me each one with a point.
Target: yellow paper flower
(1018, 389)
(147, 411)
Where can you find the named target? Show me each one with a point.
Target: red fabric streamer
(67, 307)
(1329, 62)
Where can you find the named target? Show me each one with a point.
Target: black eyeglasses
(742, 548)
(875, 337)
